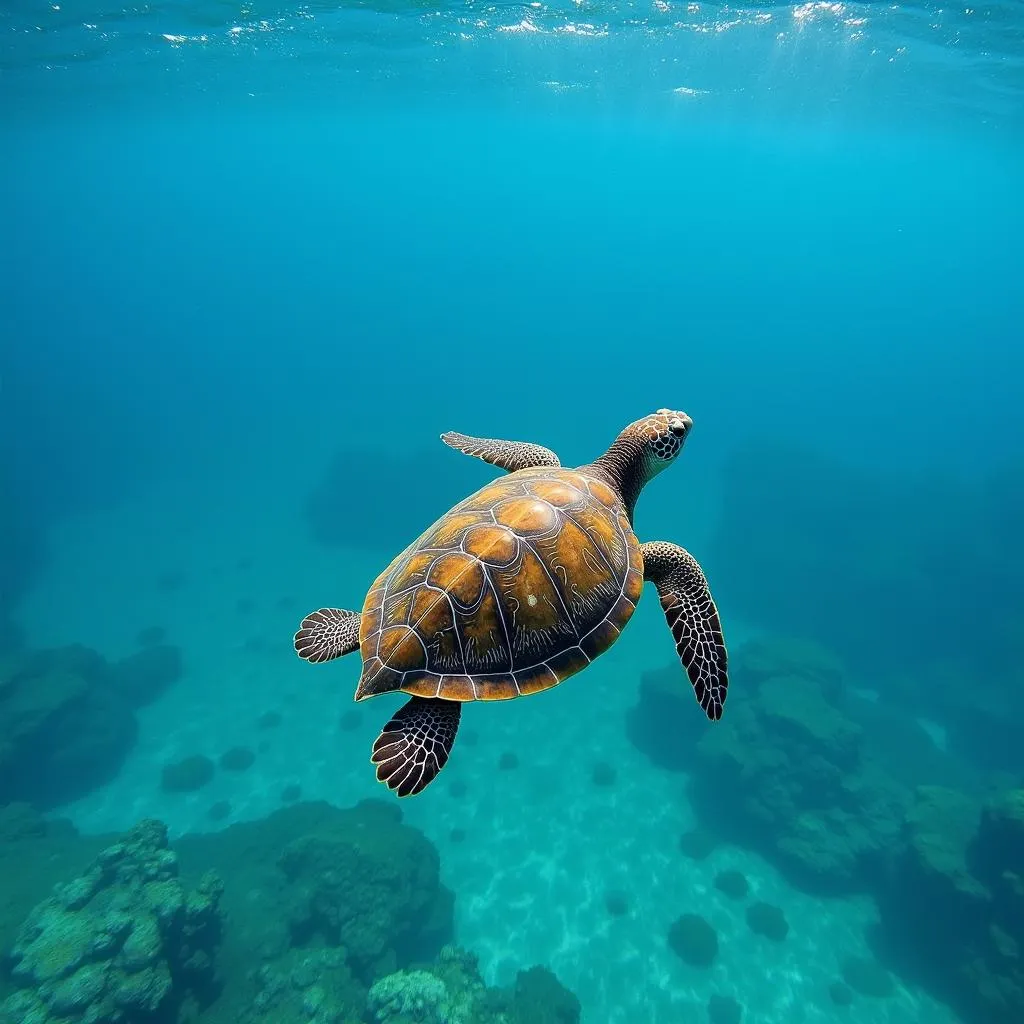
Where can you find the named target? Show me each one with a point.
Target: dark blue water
(255, 258)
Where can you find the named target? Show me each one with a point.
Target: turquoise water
(257, 258)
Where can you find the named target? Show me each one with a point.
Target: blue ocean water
(255, 259)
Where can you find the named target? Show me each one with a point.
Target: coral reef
(854, 538)
(303, 986)
(451, 991)
(120, 941)
(793, 777)
(845, 793)
(808, 773)
(412, 996)
(356, 880)
(328, 917)
(953, 908)
(363, 880)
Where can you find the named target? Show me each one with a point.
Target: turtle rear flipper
(510, 455)
(414, 746)
(326, 634)
(693, 619)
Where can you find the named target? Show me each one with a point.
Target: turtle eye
(678, 429)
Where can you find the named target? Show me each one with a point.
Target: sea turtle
(516, 588)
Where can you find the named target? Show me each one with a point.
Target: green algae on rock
(360, 900)
(451, 991)
(305, 985)
(354, 879)
(412, 995)
(120, 941)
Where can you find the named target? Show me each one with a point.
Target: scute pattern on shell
(516, 588)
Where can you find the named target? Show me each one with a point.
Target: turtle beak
(680, 425)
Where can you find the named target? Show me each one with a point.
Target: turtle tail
(414, 746)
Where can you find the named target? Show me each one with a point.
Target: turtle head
(641, 452)
(660, 438)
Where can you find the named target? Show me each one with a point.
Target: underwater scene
(511, 513)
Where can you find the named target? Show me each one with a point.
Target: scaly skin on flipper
(510, 455)
(326, 634)
(693, 619)
(414, 746)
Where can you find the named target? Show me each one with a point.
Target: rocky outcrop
(63, 730)
(866, 561)
(67, 717)
(953, 907)
(362, 880)
(119, 942)
(451, 991)
(793, 775)
(328, 916)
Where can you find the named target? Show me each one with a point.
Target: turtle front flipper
(693, 619)
(510, 455)
(327, 633)
(415, 744)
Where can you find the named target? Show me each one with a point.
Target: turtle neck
(625, 468)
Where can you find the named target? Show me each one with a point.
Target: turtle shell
(512, 591)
